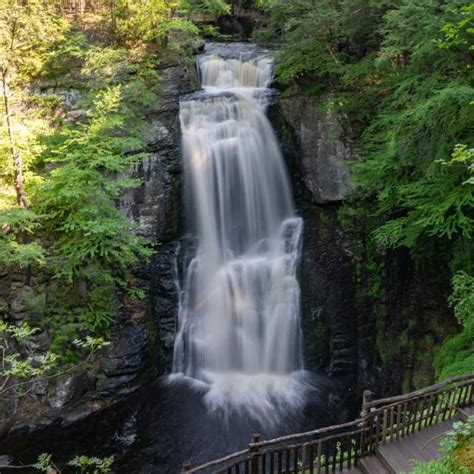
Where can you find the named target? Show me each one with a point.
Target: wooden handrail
(215, 462)
(422, 391)
(306, 434)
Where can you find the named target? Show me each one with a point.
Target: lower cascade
(239, 336)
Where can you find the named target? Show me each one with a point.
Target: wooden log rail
(334, 448)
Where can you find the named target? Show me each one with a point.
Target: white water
(239, 335)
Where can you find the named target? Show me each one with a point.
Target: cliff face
(156, 207)
(383, 342)
(142, 334)
(322, 159)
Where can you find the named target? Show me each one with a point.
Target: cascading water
(239, 335)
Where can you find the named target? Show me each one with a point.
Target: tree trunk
(16, 157)
(113, 19)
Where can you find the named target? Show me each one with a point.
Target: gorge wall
(350, 335)
(383, 340)
(142, 335)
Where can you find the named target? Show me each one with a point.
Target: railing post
(367, 397)
(186, 468)
(254, 452)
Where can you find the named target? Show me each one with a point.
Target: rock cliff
(142, 334)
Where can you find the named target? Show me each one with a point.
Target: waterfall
(239, 333)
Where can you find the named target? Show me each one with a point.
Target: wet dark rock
(38, 342)
(39, 389)
(327, 294)
(71, 387)
(128, 354)
(158, 428)
(155, 204)
(76, 114)
(158, 136)
(151, 205)
(6, 461)
(164, 300)
(166, 308)
(349, 333)
(119, 386)
(326, 273)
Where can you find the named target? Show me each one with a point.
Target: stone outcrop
(323, 156)
(327, 293)
(154, 206)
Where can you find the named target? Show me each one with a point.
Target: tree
(94, 240)
(26, 30)
(215, 8)
(148, 21)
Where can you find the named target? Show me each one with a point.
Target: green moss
(3, 305)
(36, 303)
(456, 356)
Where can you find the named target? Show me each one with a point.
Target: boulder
(152, 204)
(323, 156)
(71, 388)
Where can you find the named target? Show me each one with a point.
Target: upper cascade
(237, 67)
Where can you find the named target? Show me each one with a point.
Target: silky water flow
(239, 336)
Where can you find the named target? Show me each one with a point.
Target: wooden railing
(335, 448)
(393, 418)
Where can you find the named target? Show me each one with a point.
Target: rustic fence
(334, 448)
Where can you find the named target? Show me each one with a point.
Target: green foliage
(462, 299)
(44, 463)
(92, 464)
(27, 30)
(215, 8)
(67, 55)
(150, 21)
(15, 225)
(453, 444)
(101, 303)
(77, 201)
(439, 204)
(16, 369)
(21, 365)
(31, 367)
(321, 39)
(460, 34)
(75, 173)
(82, 464)
(105, 64)
(91, 343)
(420, 177)
(456, 355)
